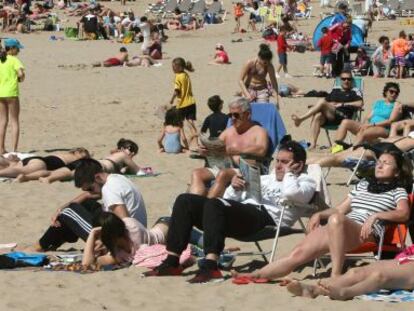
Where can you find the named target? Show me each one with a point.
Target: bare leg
(32, 166)
(4, 119)
(316, 124)
(345, 126)
(222, 180)
(193, 132)
(14, 111)
(370, 134)
(327, 109)
(32, 176)
(199, 177)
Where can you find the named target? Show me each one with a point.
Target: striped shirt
(364, 204)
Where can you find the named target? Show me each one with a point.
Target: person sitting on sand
(172, 138)
(122, 238)
(384, 274)
(119, 161)
(377, 124)
(220, 57)
(253, 82)
(118, 60)
(155, 46)
(39, 166)
(74, 220)
(243, 137)
(340, 104)
(236, 215)
(216, 122)
(358, 219)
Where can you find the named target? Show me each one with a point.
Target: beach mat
(389, 296)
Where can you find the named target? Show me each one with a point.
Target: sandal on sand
(243, 280)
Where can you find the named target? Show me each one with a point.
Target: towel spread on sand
(389, 296)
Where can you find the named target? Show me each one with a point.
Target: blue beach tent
(357, 34)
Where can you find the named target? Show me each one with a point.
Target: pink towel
(151, 256)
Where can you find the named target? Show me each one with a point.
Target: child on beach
(183, 94)
(399, 49)
(325, 44)
(282, 48)
(216, 122)
(172, 134)
(145, 27)
(238, 13)
(220, 57)
(117, 60)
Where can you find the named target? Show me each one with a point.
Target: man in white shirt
(234, 216)
(75, 220)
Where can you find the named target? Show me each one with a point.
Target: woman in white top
(358, 219)
(382, 58)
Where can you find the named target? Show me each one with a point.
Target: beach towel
(389, 296)
(151, 256)
(19, 259)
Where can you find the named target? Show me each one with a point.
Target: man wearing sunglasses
(243, 137)
(119, 195)
(340, 104)
(235, 215)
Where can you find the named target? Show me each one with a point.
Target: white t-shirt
(120, 190)
(145, 30)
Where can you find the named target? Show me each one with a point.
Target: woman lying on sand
(119, 161)
(338, 159)
(383, 274)
(358, 219)
(121, 239)
(35, 167)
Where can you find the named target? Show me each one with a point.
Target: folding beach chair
(215, 10)
(198, 8)
(185, 6)
(320, 201)
(392, 240)
(358, 83)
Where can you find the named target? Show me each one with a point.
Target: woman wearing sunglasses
(356, 220)
(377, 124)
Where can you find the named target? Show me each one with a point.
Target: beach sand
(93, 108)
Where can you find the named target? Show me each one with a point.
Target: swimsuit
(113, 61)
(172, 143)
(52, 162)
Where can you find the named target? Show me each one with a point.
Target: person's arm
(175, 94)
(21, 75)
(376, 53)
(88, 257)
(131, 166)
(205, 125)
(183, 138)
(243, 77)
(344, 208)
(160, 139)
(357, 103)
(236, 189)
(273, 81)
(300, 190)
(119, 210)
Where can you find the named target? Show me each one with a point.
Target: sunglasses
(393, 92)
(235, 115)
(346, 79)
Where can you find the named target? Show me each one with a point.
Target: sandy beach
(93, 108)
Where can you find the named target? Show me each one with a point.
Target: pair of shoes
(206, 275)
(343, 144)
(164, 269)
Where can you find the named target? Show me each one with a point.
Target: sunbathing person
(118, 60)
(75, 219)
(338, 159)
(377, 124)
(243, 137)
(236, 215)
(383, 274)
(142, 60)
(253, 82)
(122, 238)
(340, 104)
(40, 166)
(358, 219)
(119, 161)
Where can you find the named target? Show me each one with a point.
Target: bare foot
(20, 179)
(337, 293)
(299, 289)
(296, 120)
(44, 180)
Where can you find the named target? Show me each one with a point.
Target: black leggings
(76, 222)
(218, 218)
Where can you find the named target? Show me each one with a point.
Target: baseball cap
(13, 43)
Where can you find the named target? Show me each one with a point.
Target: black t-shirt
(90, 23)
(342, 96)
(216, 123)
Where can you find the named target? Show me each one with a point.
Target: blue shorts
(282, 58)
(326, 59)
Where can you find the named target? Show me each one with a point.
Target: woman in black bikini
(253, 82)
(119, 161)
(39, 166)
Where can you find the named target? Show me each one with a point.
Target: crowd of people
(110, 215)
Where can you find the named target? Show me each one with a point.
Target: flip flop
(243, 280)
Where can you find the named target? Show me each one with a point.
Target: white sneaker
(288, 76)
(277, 75)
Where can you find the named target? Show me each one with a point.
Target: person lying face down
(234, 215)
(243, 137)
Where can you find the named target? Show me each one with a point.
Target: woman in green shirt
(11, 73)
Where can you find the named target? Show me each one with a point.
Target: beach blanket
(19, 259)
(151, 256)
(389, 296)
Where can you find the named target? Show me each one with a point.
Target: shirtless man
(244, 137)
(118, 60)
(253, 82)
